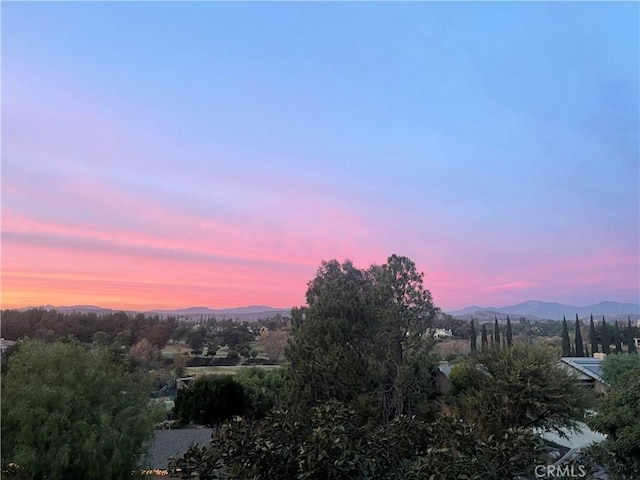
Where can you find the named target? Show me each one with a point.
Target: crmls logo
(566, 471)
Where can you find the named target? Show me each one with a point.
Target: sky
(170, 155)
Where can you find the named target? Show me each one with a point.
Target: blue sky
(170, 154)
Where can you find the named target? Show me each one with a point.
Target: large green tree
(406, 313)
(363, 339)
(474, 336)
(71, 413)
(509, 333)
(484, 339)
(606, 337)
(566, 341)
(592, 336)
(333, 339)
(578, 340)
(496, 333)
(631, 346)
(617, 340)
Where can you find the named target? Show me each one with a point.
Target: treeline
(117, 328)
(600, 337)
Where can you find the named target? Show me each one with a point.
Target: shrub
(211, 400)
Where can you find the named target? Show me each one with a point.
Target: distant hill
(226, 311)
(72, 309)
(553, 311)
(487, 315)
(248, 313)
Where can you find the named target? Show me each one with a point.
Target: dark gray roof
(170, 443)
(592, 367)
(445, 368)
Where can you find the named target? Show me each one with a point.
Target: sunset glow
(213, 154)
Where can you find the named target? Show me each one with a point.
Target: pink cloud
(509, 286)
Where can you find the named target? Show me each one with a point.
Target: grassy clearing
(171, 349)
(225, 370)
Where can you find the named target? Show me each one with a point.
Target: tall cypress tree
(592, 337)
(579, 346)
(496, 333)
(474, 347)
(631, 345)
(566, 343)
(616, 338)
(509, 333)
(485, 341)
(606, 339)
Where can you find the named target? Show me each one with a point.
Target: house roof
(445, 368)
(588, 366)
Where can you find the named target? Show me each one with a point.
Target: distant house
(4, 344)
(588, 372)
(442, 333)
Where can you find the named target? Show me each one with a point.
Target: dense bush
(327, 444)
(69, 413)
(211, 400)
(263, 389)
(619, 418)
(521, 386)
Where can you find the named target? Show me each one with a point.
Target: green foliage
(54, 325)
(462, 379)
(566, 342)
(615, 366)
(631, 346)
(618, 417)
(509, 333)
(485, 341)
(263, 389)
(606, 337)
(71, 413)
(617, 341)
(101, 338)
(233, 355)
(592, 336)
(523, 386)
(236, 335)
(196, 340)
(211, 400)
(578, 339)
(474, 336)
(326, 444)
(618, 466)
(496, 333)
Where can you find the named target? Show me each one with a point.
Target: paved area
(170, 443)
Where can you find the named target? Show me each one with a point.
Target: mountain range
(248, 313)
(531, 309)
(553, 311)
